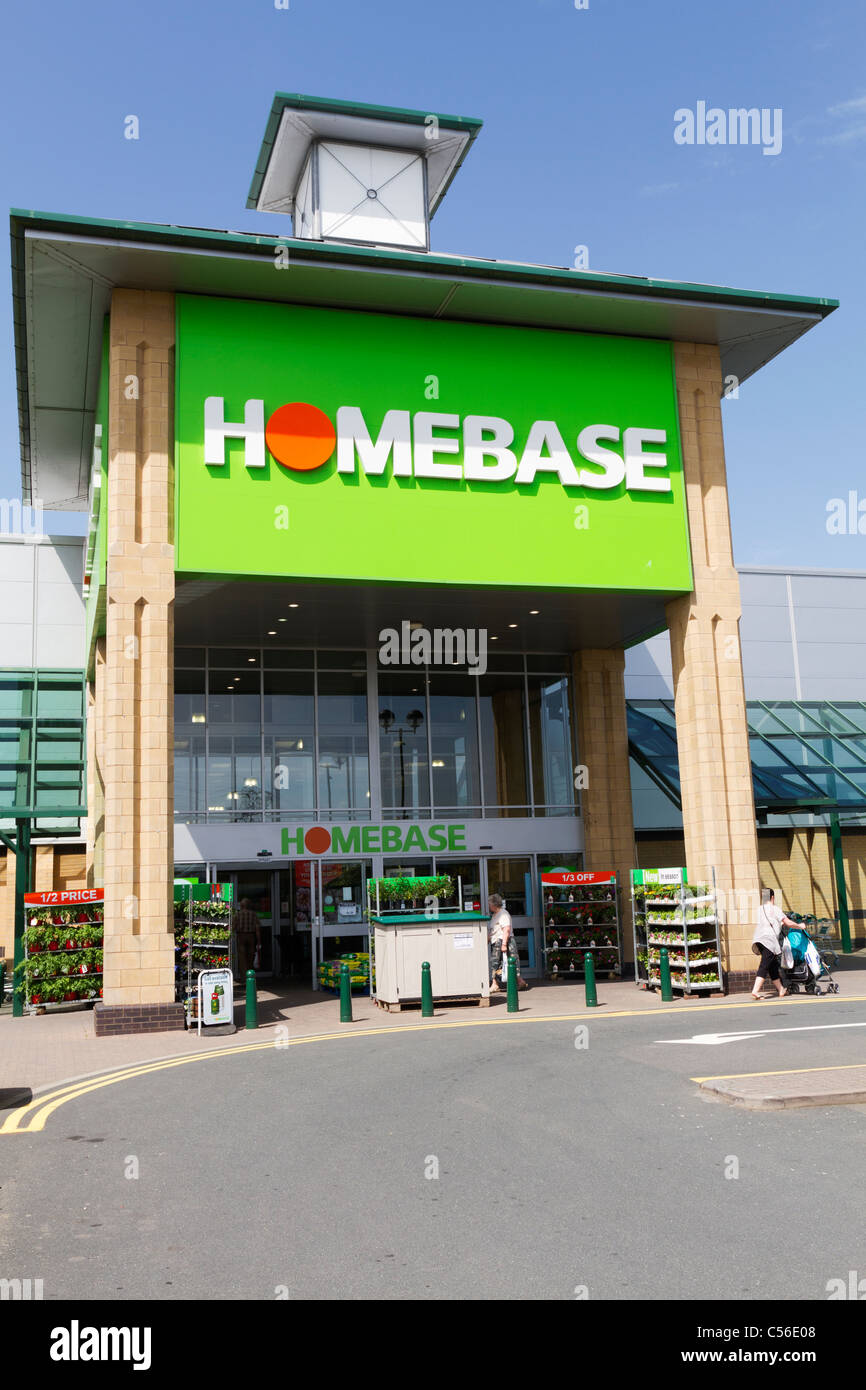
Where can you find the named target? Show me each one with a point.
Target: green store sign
(325, 443)
(372, 839)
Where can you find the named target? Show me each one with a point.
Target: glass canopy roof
(807, 757)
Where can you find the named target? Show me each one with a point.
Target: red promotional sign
(68, 895)
(564, 876)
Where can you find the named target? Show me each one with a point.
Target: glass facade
(283, 733)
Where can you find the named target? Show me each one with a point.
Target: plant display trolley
(581, 913)
(670, 912)
(409, 927)
(62, 962)
(202, 938)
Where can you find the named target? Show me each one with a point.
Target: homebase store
(371, 530)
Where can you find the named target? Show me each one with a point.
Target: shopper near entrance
(500, 935)
(767, 943)
(248, 937)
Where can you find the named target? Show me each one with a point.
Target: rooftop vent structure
(350, 172)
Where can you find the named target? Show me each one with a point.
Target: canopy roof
(808, 757)
(64, 269)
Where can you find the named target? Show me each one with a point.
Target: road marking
(715, 1039)
(31, 1118)
(791, 1071)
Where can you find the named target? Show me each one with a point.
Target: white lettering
(217, 430)
(588, 446)
(476, 448)
(545, 433)
(427, 445)
(353, 435)
(636, 460)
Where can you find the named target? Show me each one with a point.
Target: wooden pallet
(396, 1007)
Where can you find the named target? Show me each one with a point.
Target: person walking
(500, 935)
(248, 938)
(767, 943)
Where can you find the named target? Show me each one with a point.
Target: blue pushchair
(810, 966)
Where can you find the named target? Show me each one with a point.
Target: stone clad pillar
(602, 743)
(712, 735)
(136, 735)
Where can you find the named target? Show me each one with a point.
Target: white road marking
(715, 1039)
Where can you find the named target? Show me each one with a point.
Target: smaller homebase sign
(372, 839)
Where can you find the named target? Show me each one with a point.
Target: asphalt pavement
(515, 1161)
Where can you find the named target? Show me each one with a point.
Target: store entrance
(512, 879)
(322, 914)
(256, 886)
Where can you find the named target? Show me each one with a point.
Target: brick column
(137, 722)
(95, 825)
(43, 869)
(712, 738)
(602, 742)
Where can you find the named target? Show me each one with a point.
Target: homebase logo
(76, 1343)
(372, 839)
(415, 645)
(302, 438)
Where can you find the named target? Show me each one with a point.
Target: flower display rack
(581, 913)
(669, 912)
(63, 943)
(202, 938)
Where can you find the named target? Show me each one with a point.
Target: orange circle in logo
(318, 840)
(300, 436)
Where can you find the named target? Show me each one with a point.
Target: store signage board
(215, 998)
(62, 898)
(326, 443)
(651, 876)
(576, 876)
(462, 941)
(403, 837)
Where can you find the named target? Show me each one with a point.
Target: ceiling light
(533, 612)
(512, 624)
(272, 633)
(494, 639)
(294, 605)
(300, 744)
(437, 762)
(282, 620)
(251, 658)
(198, 719)
(250, 782)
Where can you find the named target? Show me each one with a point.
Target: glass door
(255, 889)
(341, 918)
(512, 879)
(298, 899)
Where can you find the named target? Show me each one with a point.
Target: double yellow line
(30, 1118)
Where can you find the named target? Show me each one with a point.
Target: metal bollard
(252, 1002)
(665, 972)
(345, 994)
(513, 1006)
(426, 990)
(589, 974)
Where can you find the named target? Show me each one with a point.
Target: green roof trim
(296, 101)
(192, 238)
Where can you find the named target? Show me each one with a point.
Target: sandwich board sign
(215, 998)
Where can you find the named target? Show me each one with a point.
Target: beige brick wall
(602, 743)
(133, 694)
(715, 767)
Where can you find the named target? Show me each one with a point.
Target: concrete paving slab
(785, 1090)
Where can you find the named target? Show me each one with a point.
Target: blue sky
(577, 149)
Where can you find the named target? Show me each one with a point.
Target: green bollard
(426, 990)
(511, 977)
(252, 1003)
(665, 971)
(345, 994)
(589, 974)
